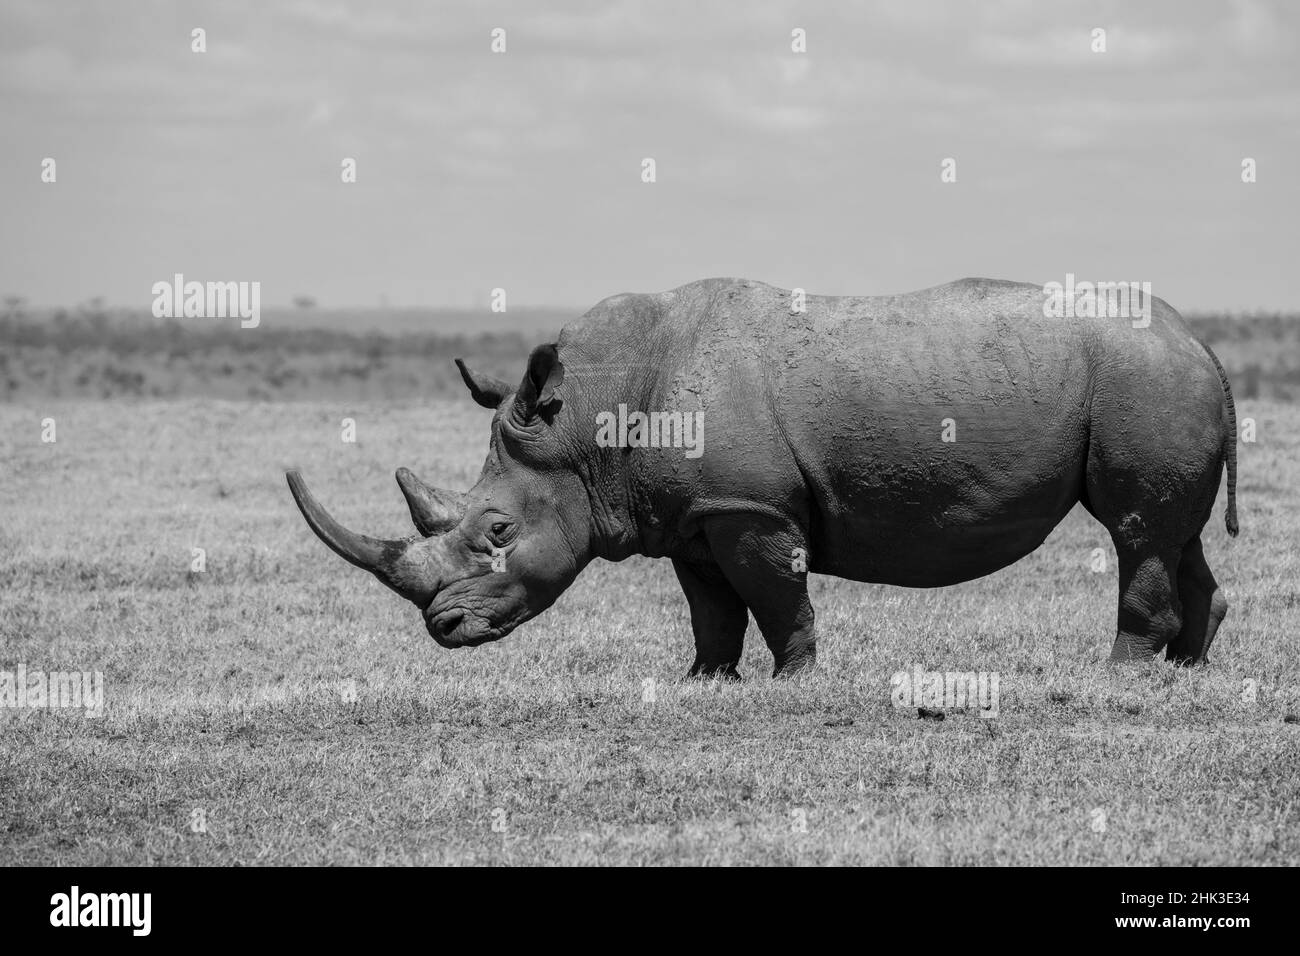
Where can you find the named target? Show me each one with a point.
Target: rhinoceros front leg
(765, 560)
(718, 618)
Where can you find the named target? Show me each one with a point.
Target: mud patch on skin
(1131, 528)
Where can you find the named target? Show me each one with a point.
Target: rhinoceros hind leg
(766, 562)
(1150, 613)
(718, 618)
(1204, 607)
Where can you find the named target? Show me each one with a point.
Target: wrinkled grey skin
(822, 435)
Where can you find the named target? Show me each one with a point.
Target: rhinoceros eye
(499, 532)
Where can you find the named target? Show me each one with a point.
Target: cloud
(1256, 29)
(321, 114)
(1071, 47)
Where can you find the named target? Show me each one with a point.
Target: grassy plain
(302, 709)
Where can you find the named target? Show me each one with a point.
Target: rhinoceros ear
(486, 390)
(537, 391)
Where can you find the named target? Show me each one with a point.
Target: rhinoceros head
(490, 559)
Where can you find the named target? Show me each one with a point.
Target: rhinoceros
(919, 440)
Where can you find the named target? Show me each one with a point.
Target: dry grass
(230, 691)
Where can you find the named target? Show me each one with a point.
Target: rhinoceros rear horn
(396, 563)
(433, 510)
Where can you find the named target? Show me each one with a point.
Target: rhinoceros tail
(1229, 443)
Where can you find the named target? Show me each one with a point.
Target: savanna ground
(303, 710)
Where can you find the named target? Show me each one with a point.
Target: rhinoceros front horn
(397, 563)
(433, 510)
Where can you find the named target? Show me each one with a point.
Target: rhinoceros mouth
(452, 628)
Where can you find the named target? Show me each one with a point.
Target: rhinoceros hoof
(725, 672)
(797, 663)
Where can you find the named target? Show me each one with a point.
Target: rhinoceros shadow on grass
(919, 440)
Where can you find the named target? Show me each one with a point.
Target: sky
(523, 170)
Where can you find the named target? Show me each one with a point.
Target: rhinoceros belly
(925, 494)
(937, 455)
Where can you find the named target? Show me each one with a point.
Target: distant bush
(1260, 351)
(98, 354)
(103, 353)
